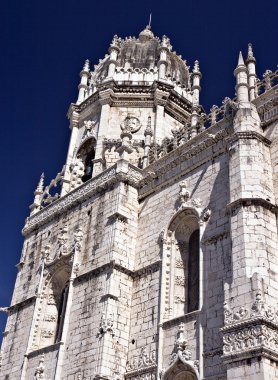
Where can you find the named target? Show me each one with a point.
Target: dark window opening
(193, 271)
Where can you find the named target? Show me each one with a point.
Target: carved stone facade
(152, 255)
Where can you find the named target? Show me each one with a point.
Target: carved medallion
(131, 124)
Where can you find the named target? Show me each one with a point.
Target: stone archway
(181, 370)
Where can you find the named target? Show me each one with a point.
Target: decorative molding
(151, 268)
(146, 360)
(39, 372)
(250, 331)
(215, 238)
(193, 316)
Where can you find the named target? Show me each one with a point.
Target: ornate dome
(143, 54)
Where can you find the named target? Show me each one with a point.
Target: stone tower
(153, 254)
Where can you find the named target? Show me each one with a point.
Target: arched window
(54, 307)
(182, 258)
(61, 312)
(86, 155)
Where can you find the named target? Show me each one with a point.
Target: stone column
(74, 118)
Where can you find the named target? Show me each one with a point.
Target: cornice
(245, 202)
(151, 268)
(249, 135)
(21, 304)
(120, 172)
(112, 93)
(193, 316)
(44, 350)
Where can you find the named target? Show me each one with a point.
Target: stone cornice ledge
(249, 135)
(122, 171)
(252, 202)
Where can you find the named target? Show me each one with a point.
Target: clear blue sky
(43, 48)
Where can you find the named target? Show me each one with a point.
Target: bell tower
(152, 255)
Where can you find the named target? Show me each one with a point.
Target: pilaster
(105, 101)
(254, 243)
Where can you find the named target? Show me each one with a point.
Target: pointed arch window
(181, 256)
(54, 307)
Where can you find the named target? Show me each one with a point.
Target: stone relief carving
(89, 130)
(39, 372)
(146, 359)
(78, 239)
(131, 124)
(250, 338)
(62, 242)
(106, 324)
(186, 201)
(250, 328)
(181, 350)
(180, 280)
(259, 308)
(77, 171)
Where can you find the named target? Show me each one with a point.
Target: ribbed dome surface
(144, 53)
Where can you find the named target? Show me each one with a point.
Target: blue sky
(43, 48)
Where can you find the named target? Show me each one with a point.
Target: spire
(240, 60)
(39, 189)
(242, 88)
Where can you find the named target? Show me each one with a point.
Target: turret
(83, 86)
(242, 82)
(113, 50)
(162, 63)
(196, 88)
(251, 67)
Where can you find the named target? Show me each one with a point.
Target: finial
(196, 68)
(240, 59)
(150, 22)
(86, 66)
(250, 55)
